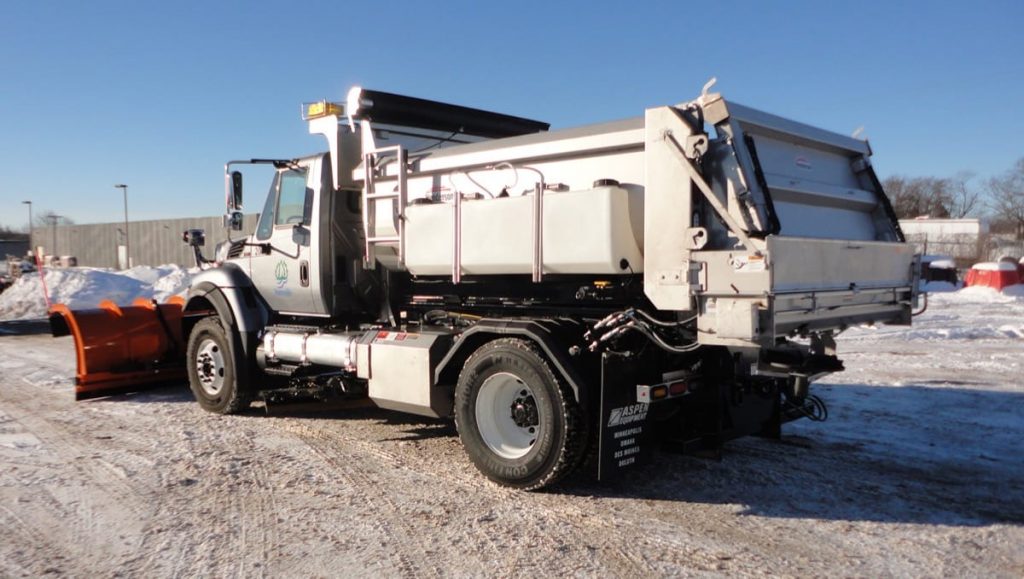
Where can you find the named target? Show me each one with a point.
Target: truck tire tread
(572, 447)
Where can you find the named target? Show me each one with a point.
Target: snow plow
(123, 348)
(677, 278)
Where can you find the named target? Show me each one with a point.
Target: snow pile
(1014, 291)
(85, 287)
(972, 313)
(942, 264)
(994, 266)
(985, 294)
(938, 261)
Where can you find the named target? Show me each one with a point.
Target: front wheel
(519, 423)
(213, 369)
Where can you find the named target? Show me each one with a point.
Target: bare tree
(895, 187)
(965, 199)
(919, 196)
(1006, 193)
(50, 217)
(933, 196)
(906, 201)
(8, 233)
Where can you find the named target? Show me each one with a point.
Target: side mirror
(194, 237)
(233, 219)
(300, 235)
(236, 189)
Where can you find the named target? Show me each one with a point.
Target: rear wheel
(213, 368)
(519, 423)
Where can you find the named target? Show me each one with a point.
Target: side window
(294, 200)
(266, 224)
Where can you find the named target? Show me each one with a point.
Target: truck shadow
(938, 454)
(407, 427)
(176, 392)
(907, 454)
(28, 327)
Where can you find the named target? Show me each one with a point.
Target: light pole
(53, 217)
(30, 246)
(127, 244)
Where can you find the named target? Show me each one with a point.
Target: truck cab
(306, 252)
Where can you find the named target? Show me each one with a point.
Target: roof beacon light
(321, 109)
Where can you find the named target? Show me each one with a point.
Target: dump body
(763, 210)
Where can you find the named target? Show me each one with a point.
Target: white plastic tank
(593, 231)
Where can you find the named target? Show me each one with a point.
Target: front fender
(229, 291)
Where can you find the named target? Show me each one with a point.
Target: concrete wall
(152, 242)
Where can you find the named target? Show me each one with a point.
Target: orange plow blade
(121, 349)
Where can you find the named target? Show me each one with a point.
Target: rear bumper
(805, 312)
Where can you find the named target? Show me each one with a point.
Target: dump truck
(568, 297)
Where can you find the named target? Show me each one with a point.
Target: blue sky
(159, 95)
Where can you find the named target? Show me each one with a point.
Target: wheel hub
(210, 367)
(524, 410)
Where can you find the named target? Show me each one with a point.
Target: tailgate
(801, 264)
(821, 284)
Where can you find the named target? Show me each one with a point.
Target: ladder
(371, 196)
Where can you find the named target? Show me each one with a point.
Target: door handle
(304, 273)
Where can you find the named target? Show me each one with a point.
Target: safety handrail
(370, 198)
(538, 232)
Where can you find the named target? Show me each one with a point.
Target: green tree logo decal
(281, 273)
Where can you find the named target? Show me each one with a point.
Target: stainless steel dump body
(762, 226)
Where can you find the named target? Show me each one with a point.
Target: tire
(213, 369)
(519, 423)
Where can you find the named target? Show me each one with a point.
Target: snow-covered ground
(918, 472)
(85, 287)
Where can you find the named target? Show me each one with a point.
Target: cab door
(280, 265)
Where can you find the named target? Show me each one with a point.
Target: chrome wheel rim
(210, 367)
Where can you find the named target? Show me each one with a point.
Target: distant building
(155, 242)
(963, 239)
(13, 247)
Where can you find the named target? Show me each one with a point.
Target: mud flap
(625, 429)
(123, 349)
